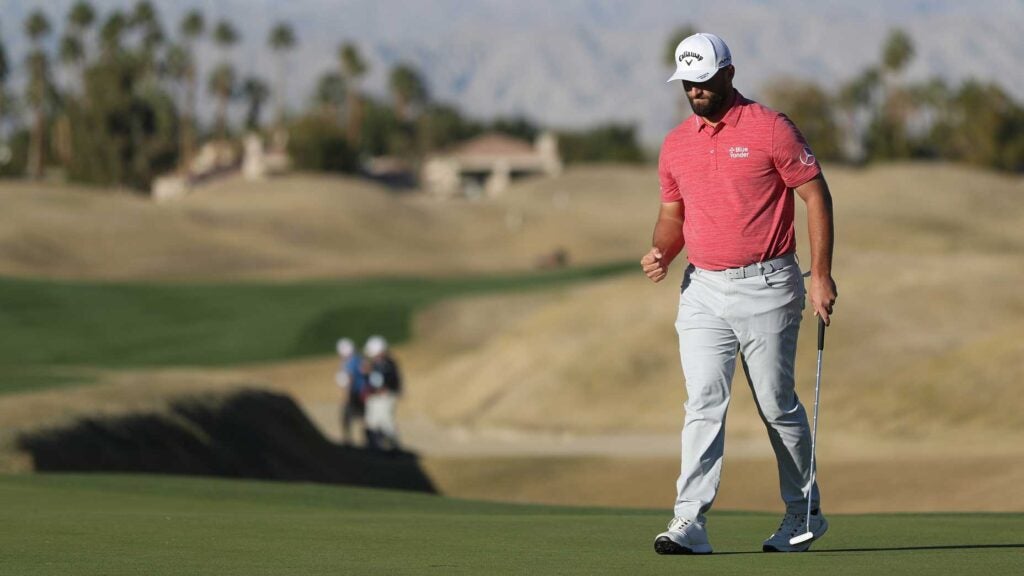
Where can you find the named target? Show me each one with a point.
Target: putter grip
(821, 333)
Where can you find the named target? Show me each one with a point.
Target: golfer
(351, 380)
(727, 179)
(383, 391)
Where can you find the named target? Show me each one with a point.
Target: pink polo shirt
(736, 182)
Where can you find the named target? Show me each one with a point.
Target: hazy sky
(578, 62)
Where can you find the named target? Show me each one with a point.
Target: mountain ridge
(583, 62)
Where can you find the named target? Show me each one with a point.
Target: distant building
(485, 165)
(215, 159)
(220, 158)
(259, 162)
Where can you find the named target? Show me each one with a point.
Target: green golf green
(102, 524)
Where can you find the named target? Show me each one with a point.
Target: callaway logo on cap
(698, 57)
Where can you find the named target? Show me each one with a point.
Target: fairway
(49, 324)
(93, 524)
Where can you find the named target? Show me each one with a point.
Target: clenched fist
(654, 266)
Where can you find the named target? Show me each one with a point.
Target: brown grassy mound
(927, 336)
(318, 226)
(922, 364)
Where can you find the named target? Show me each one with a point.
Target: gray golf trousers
(759, 317)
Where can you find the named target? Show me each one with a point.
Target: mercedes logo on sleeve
(807, 157)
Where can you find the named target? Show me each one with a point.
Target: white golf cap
(375, 346)
(346, 347)
(698, 57)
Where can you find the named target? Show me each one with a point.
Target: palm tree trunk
(279, 93)
(222, 115)
(355, 118)
(187, 134)
(36, 147)
(62, 139)
(82, 88)
(185, 143)
(401, 108)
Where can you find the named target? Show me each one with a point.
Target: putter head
(806, 536)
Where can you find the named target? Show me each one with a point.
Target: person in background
(351, 379)
(384, 386)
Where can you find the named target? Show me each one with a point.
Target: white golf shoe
(794, 525)
(683, 537)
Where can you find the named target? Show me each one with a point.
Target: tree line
(126, 108)
(115, 104)
(879, 115)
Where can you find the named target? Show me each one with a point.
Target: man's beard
(710, 108)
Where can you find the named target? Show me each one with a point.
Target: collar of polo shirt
(732, 115)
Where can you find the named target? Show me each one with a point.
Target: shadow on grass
(913, 548)
(246, 434)
(886, 549)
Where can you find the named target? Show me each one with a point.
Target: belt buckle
(744, 272)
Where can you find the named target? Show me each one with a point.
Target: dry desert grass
(307, 226)
(922, 365)
(928, 334)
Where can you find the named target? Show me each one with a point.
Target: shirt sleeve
(793, 158)
(669, 185)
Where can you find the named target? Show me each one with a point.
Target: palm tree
(177, 62)
(256, 92)
(225, 35)
(5, 71)
(144, 15)
(80, 18)
(898, 51)
(72, 54)
(144, 18)
(222, 79)
(71, 51)
(37, 28)
(407, 89)
(353, 68)
(5, 68)
(192, 27)
(281, 40)
(856, 99)
(222, 85)
(112, 33)
(933, 99)
(330, 94)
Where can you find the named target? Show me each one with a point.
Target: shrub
(319, 145)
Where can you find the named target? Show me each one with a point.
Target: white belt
(758, 268)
